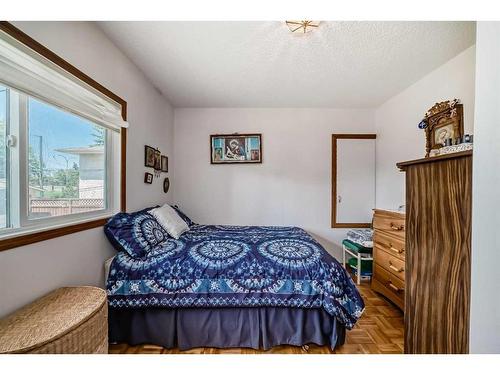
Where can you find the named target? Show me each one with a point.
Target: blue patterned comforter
(232, 266)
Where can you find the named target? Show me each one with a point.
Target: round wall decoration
(166, 185)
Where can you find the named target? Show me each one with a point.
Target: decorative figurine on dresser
(389, 255)
(438, 253)
(444, 129)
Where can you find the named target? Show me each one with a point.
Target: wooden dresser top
(393, 213)
(404, 164)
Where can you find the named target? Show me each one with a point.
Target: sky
(57, 129)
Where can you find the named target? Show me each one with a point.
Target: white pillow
(170, 220)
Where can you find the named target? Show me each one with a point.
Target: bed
(225, 286)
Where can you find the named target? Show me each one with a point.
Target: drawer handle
(392, 248)
(392, 267)
(396, 227)
(392, 286)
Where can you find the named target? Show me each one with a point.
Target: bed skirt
(258, 328)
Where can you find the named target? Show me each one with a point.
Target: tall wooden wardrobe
(438, 253)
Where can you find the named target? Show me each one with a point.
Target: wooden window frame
(335, 137)
(43, 235)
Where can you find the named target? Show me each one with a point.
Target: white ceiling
(262, 64)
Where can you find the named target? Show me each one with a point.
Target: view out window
(53, 164)
(66, 162)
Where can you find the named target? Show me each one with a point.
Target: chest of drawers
(389, 255)
(438, 253)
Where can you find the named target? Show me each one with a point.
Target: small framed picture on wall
(148, 178)
(157, 165)
(164, 163)
(149, 156)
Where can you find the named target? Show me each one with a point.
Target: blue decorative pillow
(183, 216)
(137, 233)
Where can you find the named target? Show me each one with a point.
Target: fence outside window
(43, 207)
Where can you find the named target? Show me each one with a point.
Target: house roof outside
(82, 150)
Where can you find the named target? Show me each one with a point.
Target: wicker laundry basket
(68, 320)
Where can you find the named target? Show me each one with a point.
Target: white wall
(31, 271)
(485, 301)
(291, 187)
(398, 137)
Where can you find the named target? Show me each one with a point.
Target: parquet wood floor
(379, 331)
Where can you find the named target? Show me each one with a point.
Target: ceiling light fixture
(302, 26)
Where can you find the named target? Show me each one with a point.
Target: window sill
(13, 240)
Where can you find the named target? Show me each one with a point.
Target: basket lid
(49, 318)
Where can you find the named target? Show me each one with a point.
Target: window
(62, 145)
(62, 158)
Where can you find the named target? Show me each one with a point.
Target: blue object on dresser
(230, 266)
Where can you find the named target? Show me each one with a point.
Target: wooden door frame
(335, 137)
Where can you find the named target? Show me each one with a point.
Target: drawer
(389, 262)
(389, 285)
(390, 281)
(392, 244)
(392, 224)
